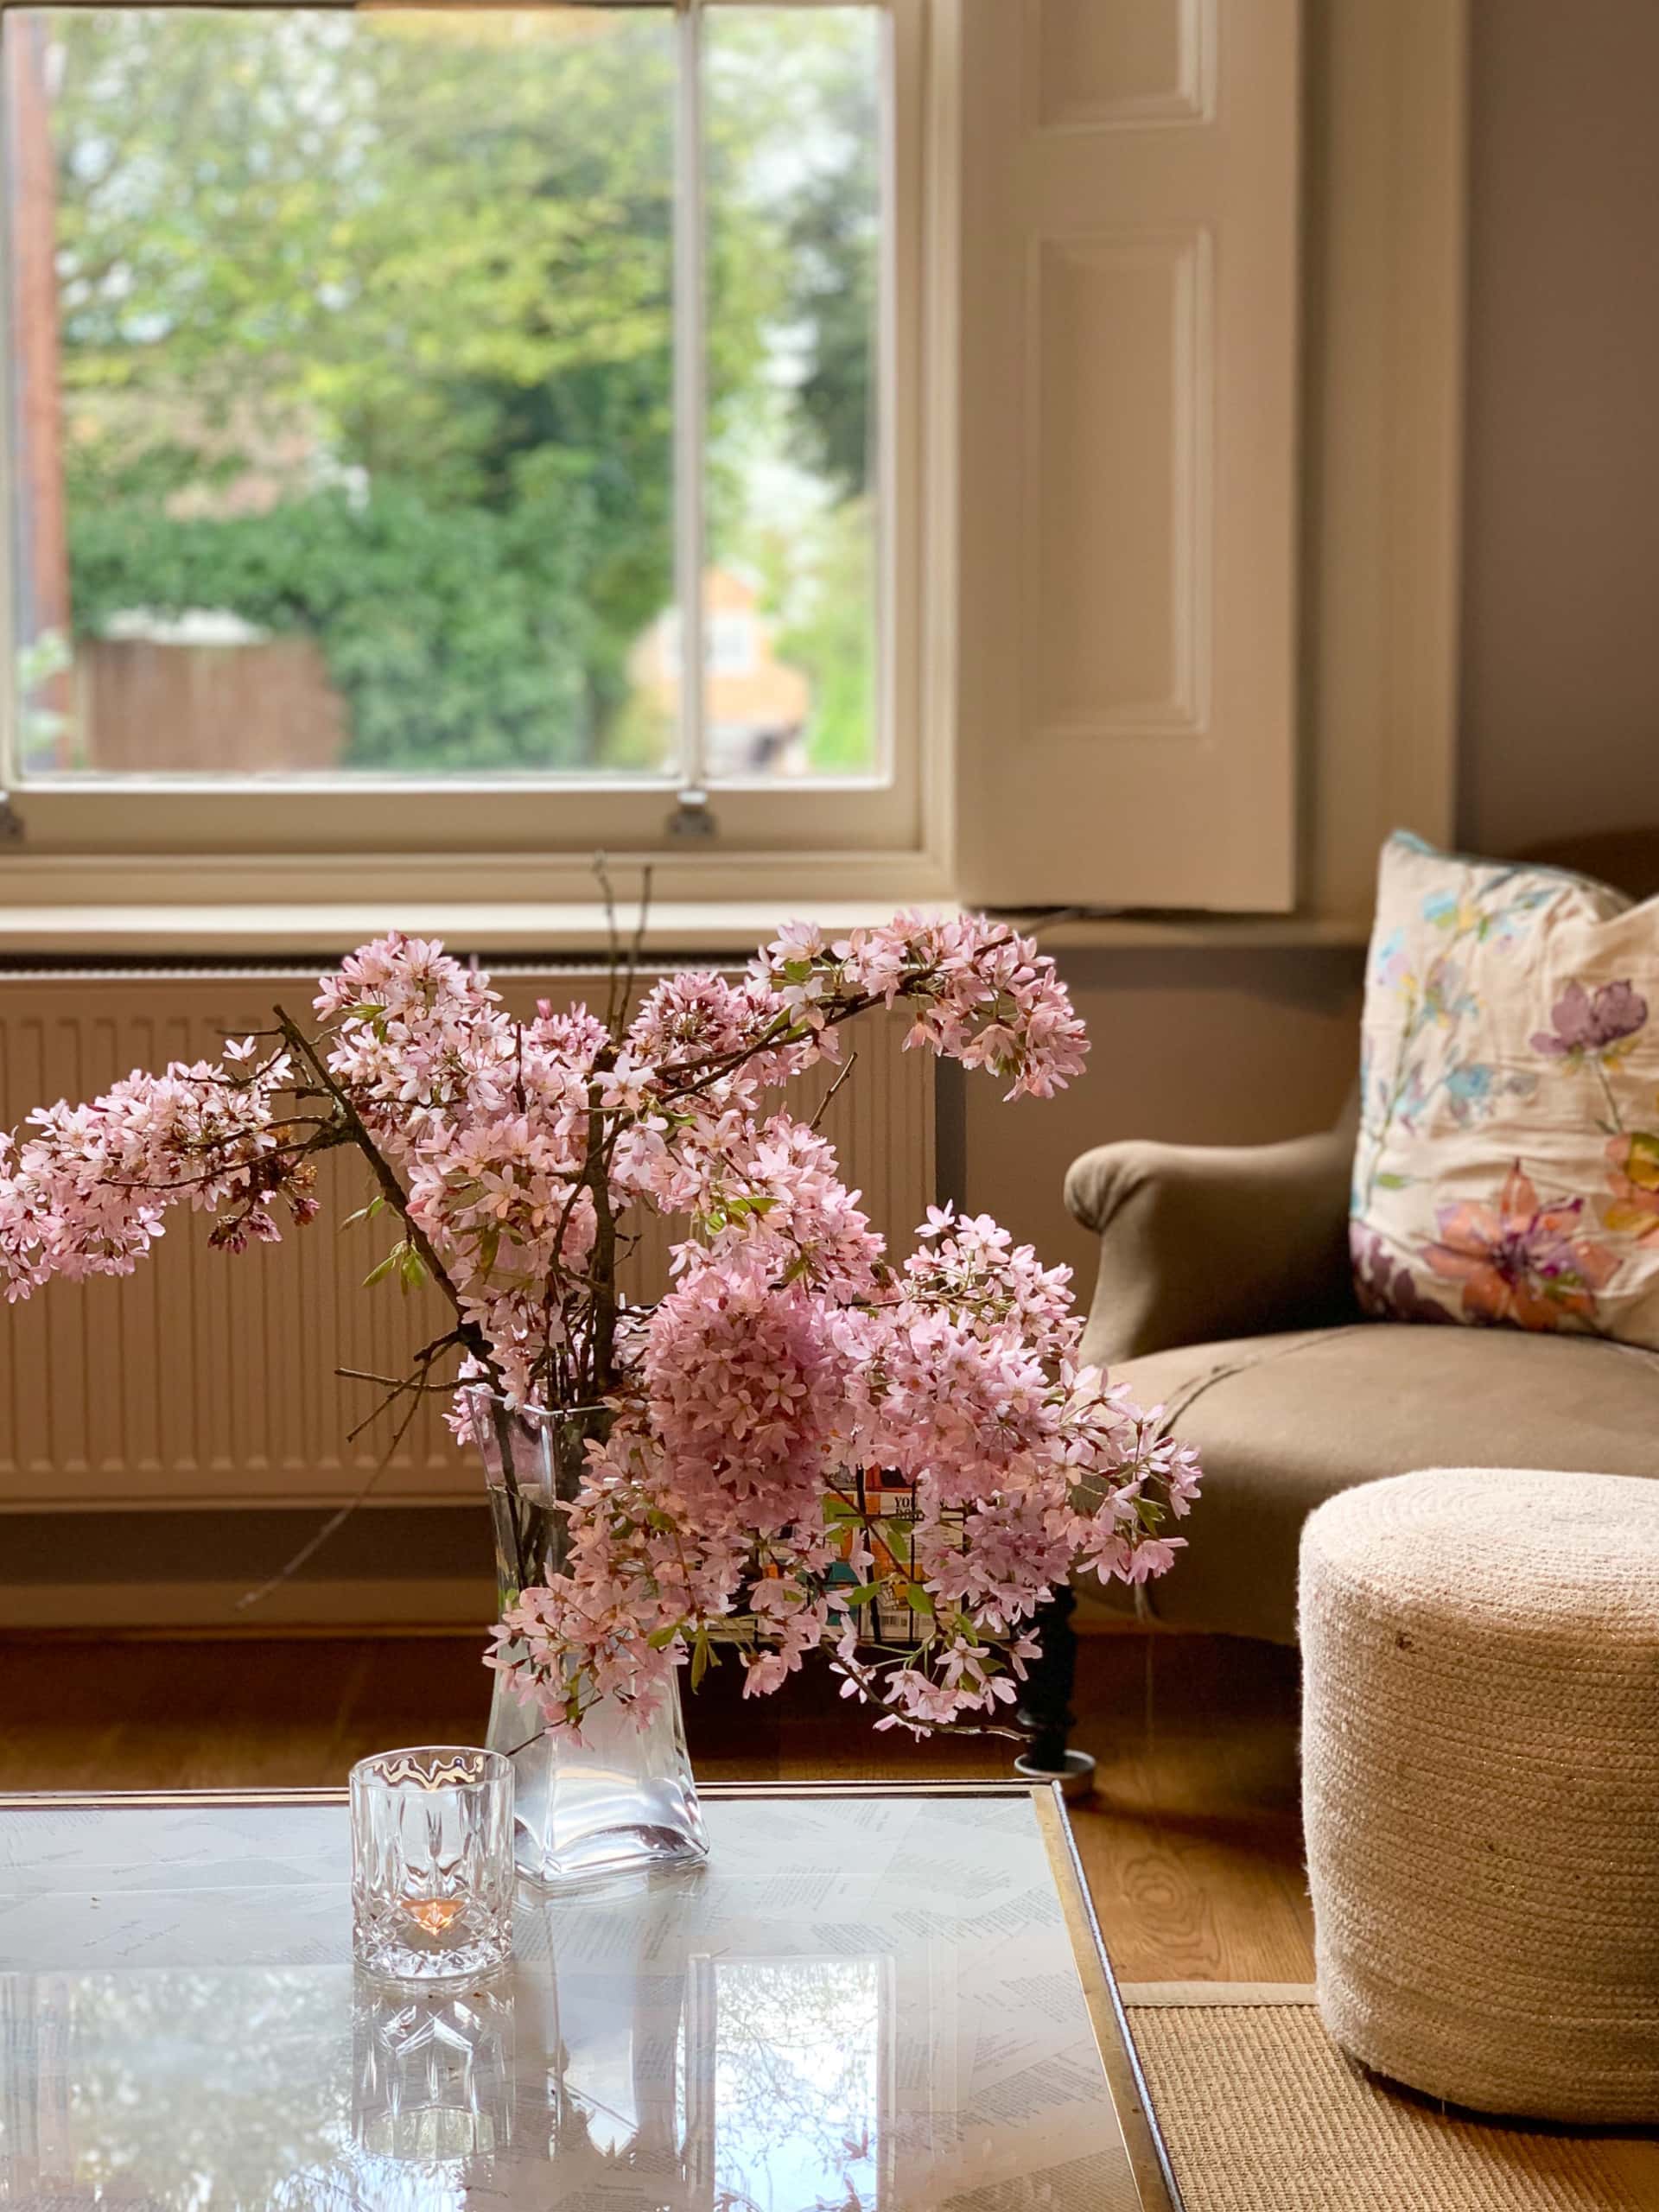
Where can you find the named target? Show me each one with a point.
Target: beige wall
(1561, 654)
(1224, 1048)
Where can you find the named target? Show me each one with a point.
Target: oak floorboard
(1191, 1844)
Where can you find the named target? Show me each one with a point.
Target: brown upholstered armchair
(1225, 1295)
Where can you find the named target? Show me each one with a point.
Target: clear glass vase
(622, 1796)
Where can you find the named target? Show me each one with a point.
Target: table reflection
(432, 2074)
(137, 2087)
(868, 2006)
(794, 2068)
(725, 2082)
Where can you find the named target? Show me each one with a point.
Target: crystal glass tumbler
(432, 1865)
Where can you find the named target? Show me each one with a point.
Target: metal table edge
(337, 1794)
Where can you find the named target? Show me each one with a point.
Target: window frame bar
(690, 395)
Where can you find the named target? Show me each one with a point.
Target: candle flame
(433, 1914)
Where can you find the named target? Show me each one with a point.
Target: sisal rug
(1261, 2113)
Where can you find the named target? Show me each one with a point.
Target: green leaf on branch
(393, 1261)
(756, 1203)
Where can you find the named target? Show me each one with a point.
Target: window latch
(693, 817)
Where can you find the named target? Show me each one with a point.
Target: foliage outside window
(357, 404)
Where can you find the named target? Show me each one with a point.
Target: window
(932, 365)
(391, 390)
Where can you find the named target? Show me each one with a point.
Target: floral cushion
(1507, 1163)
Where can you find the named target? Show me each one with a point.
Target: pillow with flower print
(1507, 1167)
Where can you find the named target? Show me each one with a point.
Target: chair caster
(1076, 1777)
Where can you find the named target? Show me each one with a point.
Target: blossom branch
(391, 1190)
(716, 1450)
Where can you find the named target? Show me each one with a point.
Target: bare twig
(335, 1521)
(824, 1102)
(391, 1382)
(419, 1381)
(613, 941)
(635, 950)
(471, 1335)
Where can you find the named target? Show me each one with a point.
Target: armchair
(1224, 1296)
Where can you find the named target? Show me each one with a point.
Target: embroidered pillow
(1507, 1168)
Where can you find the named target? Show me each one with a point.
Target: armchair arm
(1199, 1242)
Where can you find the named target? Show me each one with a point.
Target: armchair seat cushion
(1282, 1422)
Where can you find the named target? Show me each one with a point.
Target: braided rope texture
(1480, 1774)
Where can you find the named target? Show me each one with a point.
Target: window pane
(793, 106)
(341, 357)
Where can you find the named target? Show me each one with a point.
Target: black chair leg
(1045, 1704)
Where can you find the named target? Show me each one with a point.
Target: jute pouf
(1481, 1785)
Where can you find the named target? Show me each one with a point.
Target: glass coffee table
(870, 1996)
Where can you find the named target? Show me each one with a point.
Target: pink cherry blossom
(748, 1428)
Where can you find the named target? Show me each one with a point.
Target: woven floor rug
(1262, 2114)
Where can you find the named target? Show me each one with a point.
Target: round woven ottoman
(1480, 1758)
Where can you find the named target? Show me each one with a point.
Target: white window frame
(173, 839)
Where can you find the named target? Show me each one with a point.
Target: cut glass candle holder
(432, 1865)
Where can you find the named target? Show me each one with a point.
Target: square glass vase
(622, 1797)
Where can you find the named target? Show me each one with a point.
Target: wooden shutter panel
(1125, 652)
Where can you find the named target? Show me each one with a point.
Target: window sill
(322, 930)
(572, 930)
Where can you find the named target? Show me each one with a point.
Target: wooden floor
(1193, 1844)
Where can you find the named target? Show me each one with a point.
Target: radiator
(207, 1379)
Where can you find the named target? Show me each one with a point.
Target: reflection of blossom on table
(799, 2065)
(362, 2182)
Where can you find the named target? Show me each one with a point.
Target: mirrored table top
(869, 1997)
